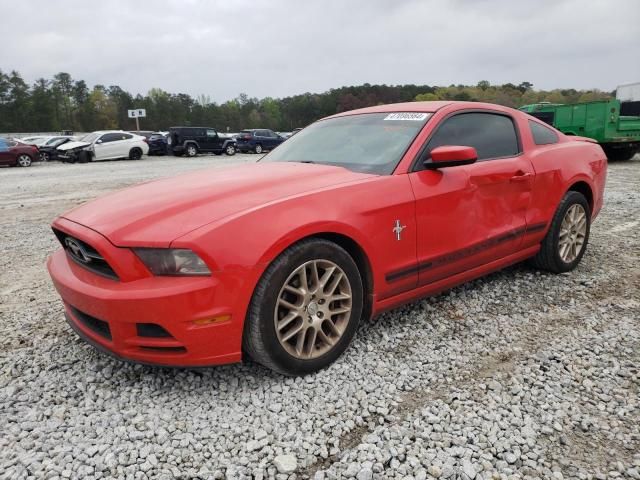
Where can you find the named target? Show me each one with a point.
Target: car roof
(427, 107)
(190, 126)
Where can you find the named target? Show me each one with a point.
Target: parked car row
(116, 144)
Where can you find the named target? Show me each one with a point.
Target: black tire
(258, 148)
(230, 150)
(190, 150)
(260, 339)
(620, 154)
(135, 154)
(84, 157)
(45, 156)
(548, 258)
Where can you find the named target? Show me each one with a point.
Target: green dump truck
(618, 134)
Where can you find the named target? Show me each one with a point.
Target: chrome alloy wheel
(24, 160)
(313, 309)
(573, 231)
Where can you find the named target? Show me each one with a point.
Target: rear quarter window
(542, 135)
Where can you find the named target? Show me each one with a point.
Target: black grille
(165, 349)
(151, 330)
(98, 326)
(91, 259)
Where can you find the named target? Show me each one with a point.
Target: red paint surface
(460, 223)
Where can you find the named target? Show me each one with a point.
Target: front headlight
(172, 261)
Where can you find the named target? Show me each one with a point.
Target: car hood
(155, 213)
(72, 145)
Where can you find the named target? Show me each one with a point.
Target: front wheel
(230, 150)
(566, 241)
(257, 148)
(305, 308)
(45, 156)
(24, 160)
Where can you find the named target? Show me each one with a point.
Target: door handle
(521, 177)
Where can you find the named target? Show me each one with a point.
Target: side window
(126, 136)
(211, 133)
(492, 135)
(199, 132)
(542, 135)
(110, 137)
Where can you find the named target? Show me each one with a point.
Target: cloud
(278, 48)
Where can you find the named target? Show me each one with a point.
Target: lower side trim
(465, 252)
(454, 280)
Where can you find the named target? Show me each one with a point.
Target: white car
(104, 145)
(32, 140)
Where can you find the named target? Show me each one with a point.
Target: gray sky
(279, 48)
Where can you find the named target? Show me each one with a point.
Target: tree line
(62, 103)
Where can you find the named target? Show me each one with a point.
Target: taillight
(145, 140)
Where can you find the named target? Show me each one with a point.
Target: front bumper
(142, 318)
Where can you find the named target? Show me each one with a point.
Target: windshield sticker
(414, 116)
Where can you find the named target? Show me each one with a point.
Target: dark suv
(258, 140)
(193, 140)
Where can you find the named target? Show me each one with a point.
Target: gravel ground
(520, 375)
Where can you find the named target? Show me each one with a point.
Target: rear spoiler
(582, 139)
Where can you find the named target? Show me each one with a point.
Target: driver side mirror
(99, 141)
(450, 156)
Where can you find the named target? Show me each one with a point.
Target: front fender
(311, 230)
(364, 212)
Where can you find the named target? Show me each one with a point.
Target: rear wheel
(135, 154)
(305, 309)
(191, 150)
(620, 154)
(566, 241)
(257, 148)
(24, 160)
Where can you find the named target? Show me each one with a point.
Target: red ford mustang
(358, 213)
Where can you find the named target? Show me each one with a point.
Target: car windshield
(369, 143)
(90, 137)
(57, 142)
